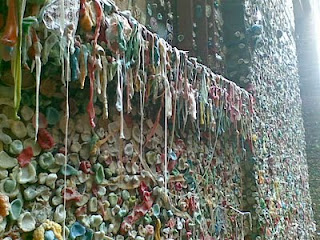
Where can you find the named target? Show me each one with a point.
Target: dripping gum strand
(99, 13)
(62, 48)
(38, 48)
(105, 85)
(90, 106)
(167, 108)
(83, 65)
(177, 67)
(119, 104)
(92, 64)
(142, 99)
(16, 61)
(166, 115)
(48, 45)
(123, 76)
(130, 89)
(99, 68)
(70, 42)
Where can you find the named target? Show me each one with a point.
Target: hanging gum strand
(119, 103)
(157, 230)
(142, 101)
(156, 123)
(37, 48)
(11, 30)
(175, 95)
(16, 61)
(99, 68)
(99, 13)
(121, 112)
(92, 65)
(90, 107)
(129, 90)
(105, 86)
(83, 65)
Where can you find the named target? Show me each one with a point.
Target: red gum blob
(95, 190)
(102, 36)
(71, 194)
(25, 156)
(158, 168)
(45, 139)
(178, 186)
(189, 233)
(62, 150)
(85, 167)
(251, 104)
(120, 201)
(82, 7)
(171, 223)
(139, 210)
(192, 205)
(81, 211)
(149, 230)
(103, 212)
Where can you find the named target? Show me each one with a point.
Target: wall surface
(307, 43)
(215, 169)
(198, 29)
(137, 8)
(268, 68)
(260, 53)
(117, 135)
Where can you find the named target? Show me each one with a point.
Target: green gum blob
(132, 201)
(16, 207)
(69, 170)
(16, 147)
(99, 176)
(113, 199)
(46, 160)
(52, 115)
(156, 210)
